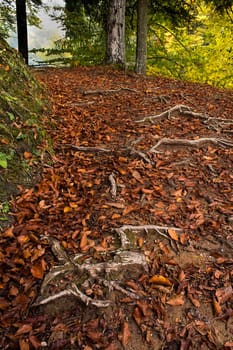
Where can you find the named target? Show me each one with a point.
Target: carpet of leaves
(187, 290)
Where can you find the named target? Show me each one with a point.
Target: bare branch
(89, 149)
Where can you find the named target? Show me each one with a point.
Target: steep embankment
(21, 131)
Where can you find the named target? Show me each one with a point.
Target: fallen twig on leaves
(106, 92)
(113, 185)
(89, 149)
(193, 143)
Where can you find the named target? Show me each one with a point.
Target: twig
(106, 92)
(193, 143)
(113, 185)
(89, 149)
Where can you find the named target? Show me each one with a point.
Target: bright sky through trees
(48, 32)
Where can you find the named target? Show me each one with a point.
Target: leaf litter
(126, 243)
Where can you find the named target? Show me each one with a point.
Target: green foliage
(202, 52)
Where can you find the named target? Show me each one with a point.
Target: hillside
(21, 131)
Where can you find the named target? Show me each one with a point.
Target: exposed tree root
(102, 272)
(193, 143)
(89, 271)
(215, 123)
(159, 229)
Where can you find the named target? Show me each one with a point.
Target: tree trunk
(115, 46)
(141, 49)
(22, 28)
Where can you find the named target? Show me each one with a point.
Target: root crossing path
(126, 242)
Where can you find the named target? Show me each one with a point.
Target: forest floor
(126, 242)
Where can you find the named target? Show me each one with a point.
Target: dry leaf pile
(126, 243)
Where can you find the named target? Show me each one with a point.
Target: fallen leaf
(23, 344)
(158, 279)
(25, 328)
(176, 300)
(27, 155)
(173, 234)
(125, 333)
(217, 306)
(67, 209)
(223, 294)
(38, 269)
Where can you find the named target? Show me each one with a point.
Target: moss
(22, 108)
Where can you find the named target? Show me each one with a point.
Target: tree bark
(115, 45)
(22, 28)
(141, 49)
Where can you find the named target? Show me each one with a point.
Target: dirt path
(126, 243)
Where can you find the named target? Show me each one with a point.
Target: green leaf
(3, 160)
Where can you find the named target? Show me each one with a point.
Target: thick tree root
(194, 143)
(211, 122)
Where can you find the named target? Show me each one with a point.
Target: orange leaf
(122, 171)
(67, 209)
(116, 216)
(27, 155)
(176, 300)
(172, 233)
(158, 279)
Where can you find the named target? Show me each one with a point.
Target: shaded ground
(106, 175)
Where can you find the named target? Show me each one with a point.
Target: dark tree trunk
(21, 16)
(141, 50)
(115, 46)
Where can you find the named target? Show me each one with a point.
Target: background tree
(141, 49)
(115, 33)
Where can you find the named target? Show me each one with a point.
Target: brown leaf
(176, 300)
(137, 175)
(38, 269)
(34, 341)
(224, 294)
(125, 333)
(137, 315)
(217, 306)
(25, 328)
(3, 303)
(23, 344)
